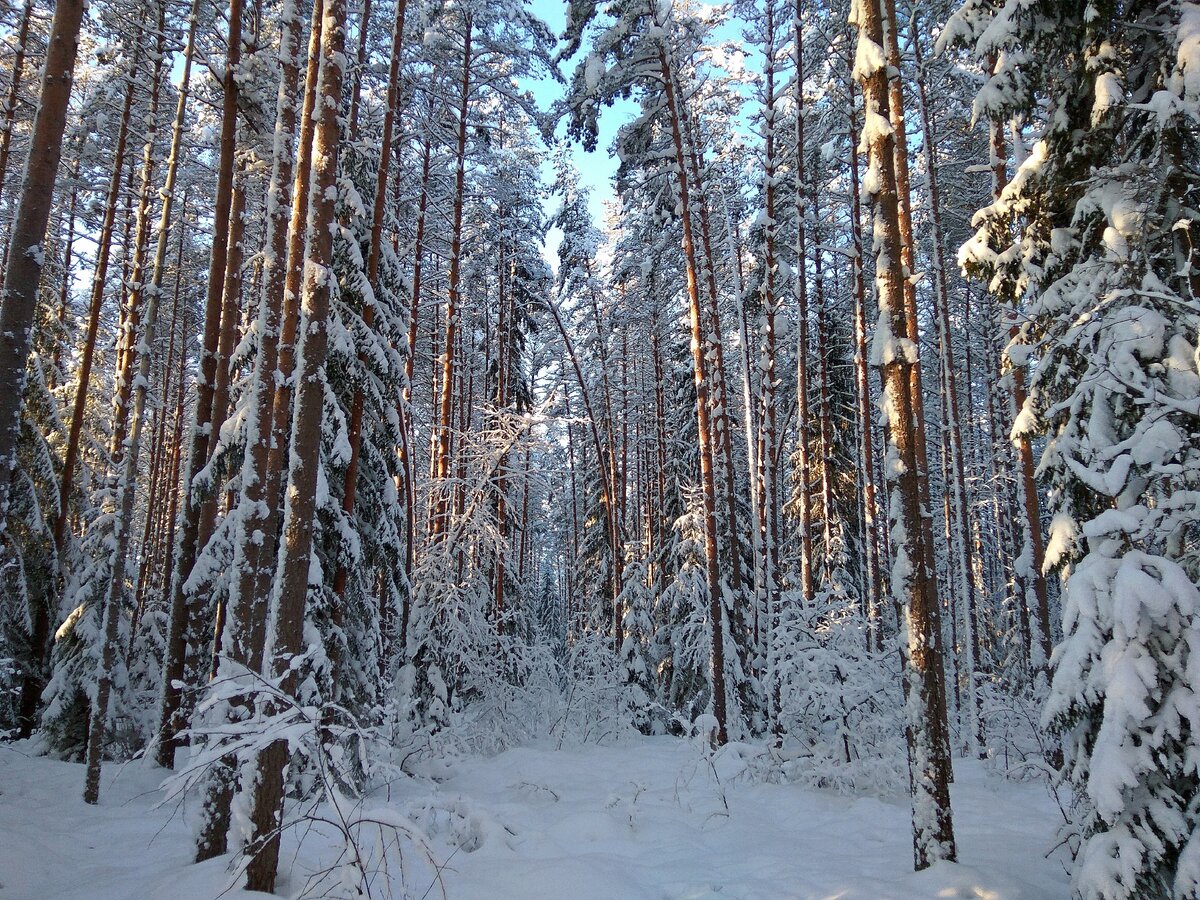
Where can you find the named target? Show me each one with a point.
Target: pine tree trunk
(442, 456)
(716, 605)
(804, 498)
(722, 435)
(408, 446)
(231, 293)
(22, 273)
(501, 403)
(14, 89)
(767, 475)
(824, 422)
(300, 504)
(896, 353)
(360, 64)
(174, 711)
(257, 513)
(750, 415)
(1029, 507)
(959, 499)
(873, 586)
(908, 263)
(64, 291)
(373, 259)
(83, 373)
(614, 533)
(125, 440)
(162, 454)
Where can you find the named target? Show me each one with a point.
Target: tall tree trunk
(360, 64)
(83, 373)
(64, 290)
(162, 453)
(300, 504)
(1029, 515)
(174, 712)
(373, 258)
(14, 89)
(908, 257)
(231, 313)
(34, 682)
(129, 403)
(22, 274)
(959, 499)
(254, 542)
(408, 446)
(873, 587)
(896, 353)
(824, 421)
(804, 504)
(722, 435)
(442, 455)
(767, 475)
(716, 606)
(240, 644)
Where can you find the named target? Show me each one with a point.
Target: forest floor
(652, 818)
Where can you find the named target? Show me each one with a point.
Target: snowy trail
(648, 818)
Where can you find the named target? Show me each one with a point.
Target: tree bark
(896, 353)
(300, 503)
(804, 504)
(442, 456)
(125, 440)
(873, 586)
(716, 606)
(174, 711)
(373, 258)
(14, 89)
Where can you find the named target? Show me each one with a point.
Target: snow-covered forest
(600, 448)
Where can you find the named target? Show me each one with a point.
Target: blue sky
(597, 169)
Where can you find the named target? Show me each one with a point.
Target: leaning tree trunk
(897, 356)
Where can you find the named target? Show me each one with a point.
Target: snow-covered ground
(646, 818)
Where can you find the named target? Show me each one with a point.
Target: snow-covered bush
(839, 703)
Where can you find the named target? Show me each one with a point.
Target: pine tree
(1091, 229)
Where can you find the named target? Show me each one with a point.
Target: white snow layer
(646, 818)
